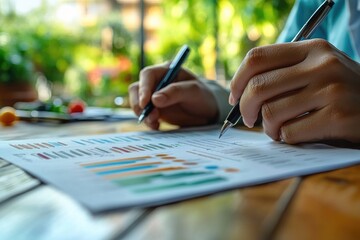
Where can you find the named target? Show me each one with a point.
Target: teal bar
(110, 164)
(180, 185)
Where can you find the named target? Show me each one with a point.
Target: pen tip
(225, 127)
(141, 118)
(220, 134)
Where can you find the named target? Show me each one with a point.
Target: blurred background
(93, 49)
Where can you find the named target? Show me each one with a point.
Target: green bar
(136, 180)
(164, 145)
(179, 185)
(148, 178)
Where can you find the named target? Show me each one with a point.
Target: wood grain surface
(321, 206)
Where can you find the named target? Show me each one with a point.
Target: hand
(185, 102)
(306, 91)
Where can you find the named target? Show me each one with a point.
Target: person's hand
(185, 102)
(306, 91)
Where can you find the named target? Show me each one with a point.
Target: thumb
(178, 92)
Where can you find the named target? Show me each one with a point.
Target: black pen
(168, 78)
(304, 33)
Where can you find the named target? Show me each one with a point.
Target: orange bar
(100, 169)
(119, 175)
(112, 161)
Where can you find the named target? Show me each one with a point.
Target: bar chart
(159, 172)
(89, 150)
(105, 172)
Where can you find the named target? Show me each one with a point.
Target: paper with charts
(140, 169)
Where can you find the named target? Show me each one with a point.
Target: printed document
(141, 169)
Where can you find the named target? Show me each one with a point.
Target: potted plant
(17, 75)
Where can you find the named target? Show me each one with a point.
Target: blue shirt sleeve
(300, 13)
(335, 27)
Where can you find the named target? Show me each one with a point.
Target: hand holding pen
(168, 78)
(304, 33)
(184, 102)
(306, 91)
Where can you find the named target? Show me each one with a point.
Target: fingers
(152, 120)
(262, 59)
(328, 123)
(141, 92)
(269, 85)
(149, 78)
(305, 91)
(179, 92)
(274, 78)
(309, 128)
(277, 112)
(134, 98)
(175, 115)
(185, 103)
(181, 117)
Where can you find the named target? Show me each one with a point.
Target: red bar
(121, 149)
(43, 156)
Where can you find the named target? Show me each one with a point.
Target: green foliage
(15, 64)
(68, 55)
(52, 50)
(45, 45)
(15, 59)
(221, 32)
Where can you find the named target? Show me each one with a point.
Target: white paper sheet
(105, 172)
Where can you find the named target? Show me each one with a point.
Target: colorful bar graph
(156, 170)
(175, 185)
(159, 172)
(148, 179)
(114, 162)
(126, 169)
(29, 146)
(100, 169)
(43, 156)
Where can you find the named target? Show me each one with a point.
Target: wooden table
(321, 206)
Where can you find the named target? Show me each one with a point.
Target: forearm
(221, 96)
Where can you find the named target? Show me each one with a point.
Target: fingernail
(141, 96)
(152, 117)
(231, 99)
(249, 125)
(159, 97)
(282, 137)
